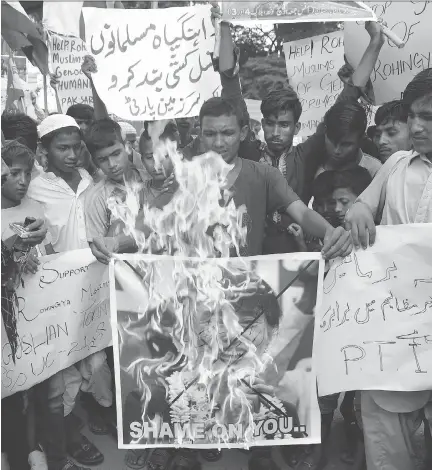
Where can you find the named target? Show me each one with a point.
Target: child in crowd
(61, 191)
(391, 133)
(334, 193)
(15, 208)
(83, 115)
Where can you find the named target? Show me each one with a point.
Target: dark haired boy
(83, 115)
(400, 194)
(391, 129)
(345, 125)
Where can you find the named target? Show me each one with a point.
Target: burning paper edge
(315, 431)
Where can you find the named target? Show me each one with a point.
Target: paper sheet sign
(294, 11)
(395, 68)
(312, 67)
(66, 56)
(63, 316)
(374, 328)
(153, 64)
(190, 333)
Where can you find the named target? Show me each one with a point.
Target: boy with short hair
(391, 132)
(83, 115)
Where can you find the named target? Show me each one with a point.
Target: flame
(193, 301)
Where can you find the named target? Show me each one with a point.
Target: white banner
(66, 56)
(153, 64)
(214, 353)
(247, 11)
(374, 327)
(312, 68)
(395, 68)
(63, 316)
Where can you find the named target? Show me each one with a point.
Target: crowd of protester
(322, 195)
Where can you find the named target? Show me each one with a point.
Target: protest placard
(374, 328)
(62, 317)
(66, 56)
(294, 11)
(395, 68)
(312, 68)
(153, 64)
(214, 353)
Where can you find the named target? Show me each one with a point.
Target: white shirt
(63, 209)
(402, 190)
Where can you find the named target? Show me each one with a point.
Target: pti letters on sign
(374, 328)
(67, 55)
(395, 68)
(62, 317)
(153, 64)
(312, 67)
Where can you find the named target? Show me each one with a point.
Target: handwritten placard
(395, 68)
(153, 64)
(67, 55)
(63, 316)
(312, 67)
(294, 12)
(374, 328)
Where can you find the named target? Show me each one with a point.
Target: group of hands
(359, 232)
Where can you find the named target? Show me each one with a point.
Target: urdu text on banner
(374, 327)
(312, 67)
(395, 68)
(153, 64)
(294, 11)
(62, 317)
(214, 353)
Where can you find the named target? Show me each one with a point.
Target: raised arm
(89, 67)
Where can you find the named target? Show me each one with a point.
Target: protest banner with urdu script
(62, 317)
(214, 353)
(395, 68)
(153, 64)
(294, 11)
(66, 56)
(374, 328)
(312, 68)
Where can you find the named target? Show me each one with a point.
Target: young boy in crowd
(15, 208)
(334, 194)
(399, 194)
(391, 132)
(83, 115)
(106, 145)
(61, 191)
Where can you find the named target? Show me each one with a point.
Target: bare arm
(89, 67)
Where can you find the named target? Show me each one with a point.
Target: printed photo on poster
(215, 353)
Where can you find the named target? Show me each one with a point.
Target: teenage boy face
(222, 134)
(64, 152)
(17, 182)
(391, 137)
(113, 161)
(149, 162)
(344, 198)
(344, 152)
(279, 131)
(420, 125)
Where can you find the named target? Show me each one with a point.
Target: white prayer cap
(127, 129)
(54, 123)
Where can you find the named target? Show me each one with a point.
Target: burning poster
(214, 353)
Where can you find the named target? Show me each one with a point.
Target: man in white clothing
(401, 193)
